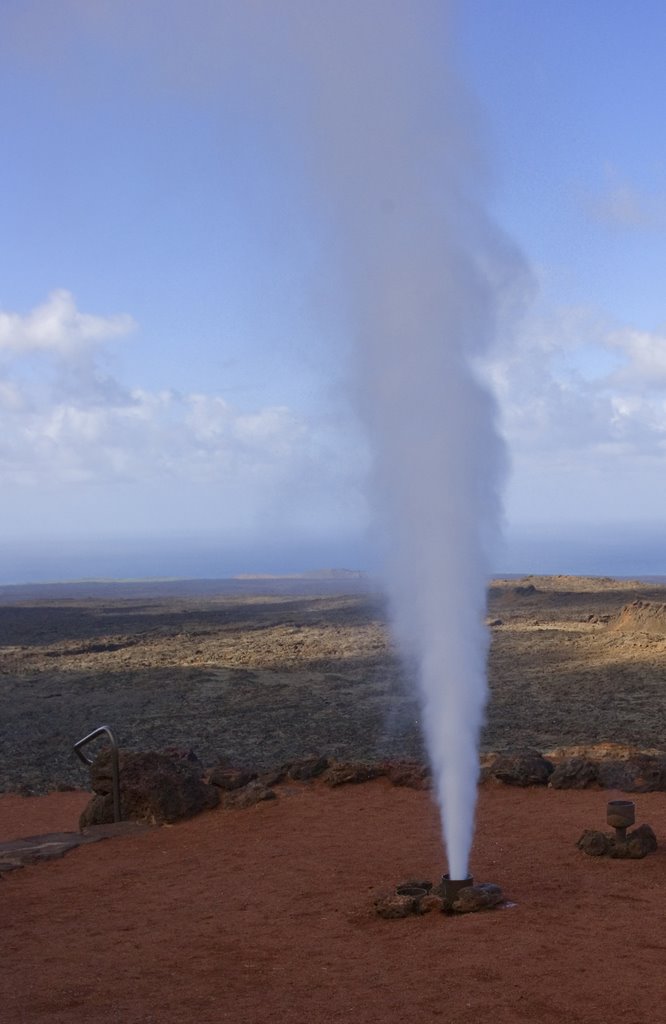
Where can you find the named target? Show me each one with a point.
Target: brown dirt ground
(266, 671)
(263, 916)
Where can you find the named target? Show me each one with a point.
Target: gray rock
(412, 774)
(573, 773)
(154, 789)
(477, 897)
(343, 774)
(392, 906)
(254, 793)
(594, 843)
(308, 768)
(641, 773)
(429, 903)
(225, 777)
(524, 768)
(639, 843)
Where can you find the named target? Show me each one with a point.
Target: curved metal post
(115, 763)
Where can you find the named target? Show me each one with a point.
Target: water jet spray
(422, 272)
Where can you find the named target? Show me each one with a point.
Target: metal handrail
(115, 763)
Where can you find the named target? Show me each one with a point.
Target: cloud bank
(583, 409)
(66, 422)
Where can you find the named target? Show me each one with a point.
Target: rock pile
(636, 773)
(638, 843)
(419, 897)
(163, 787)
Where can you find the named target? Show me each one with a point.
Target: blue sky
(173, 358)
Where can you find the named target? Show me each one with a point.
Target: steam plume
(399, 164)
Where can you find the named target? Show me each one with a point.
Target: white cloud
(644, 360)
(582, 404)
(570, 386)
(58, 327)
(621, 204)
(64, 424)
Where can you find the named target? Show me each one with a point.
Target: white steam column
(421, 269)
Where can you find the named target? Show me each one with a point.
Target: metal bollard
(115, 764)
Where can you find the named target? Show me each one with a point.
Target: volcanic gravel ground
(262, 671)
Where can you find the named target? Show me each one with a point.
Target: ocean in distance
(636, 552)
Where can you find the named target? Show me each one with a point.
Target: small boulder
(409, 773)
(254, 793)
(573, 773)
(344, 773)
(525, 768)
(275, 776)
(391, 906)
(185, 754)
(641, 841)
(154, 789)
(476, 897)
(594, 843)
(309, 768)
(429, 903)
(640, 773)
(225, 777)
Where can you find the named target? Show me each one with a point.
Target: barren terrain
(265, 915)
(261, 671)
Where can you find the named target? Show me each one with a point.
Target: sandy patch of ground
(263, 916)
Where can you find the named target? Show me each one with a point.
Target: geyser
(418, 274)
(400, 169)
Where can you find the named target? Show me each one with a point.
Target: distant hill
(315, 574)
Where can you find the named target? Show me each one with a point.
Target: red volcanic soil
(264, 916)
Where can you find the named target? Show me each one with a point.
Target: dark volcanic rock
(275, 775)
(637, 845)
(573, 773)
(254, 793)
(343, 773)
(309, 768)
(594, 843)
(477, 897)
(525, 768)
(641, 841)
(391, 906)
(409, 773)
(98, 811)
(153, 788)
(225, 777)
(428, 903)
(187, 755)
(641, 773)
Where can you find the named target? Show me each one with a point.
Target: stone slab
(16, 853)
